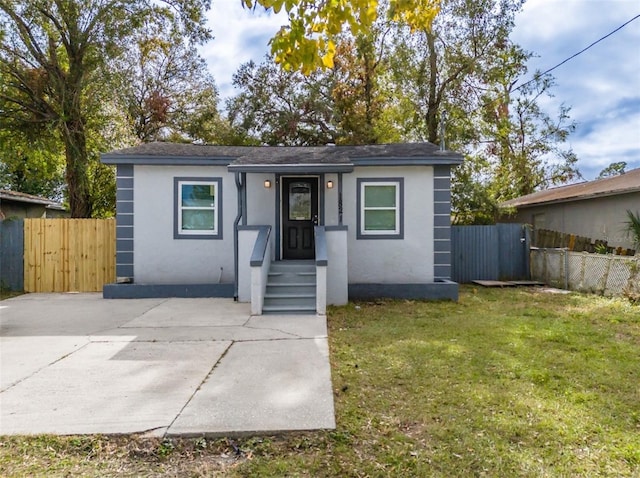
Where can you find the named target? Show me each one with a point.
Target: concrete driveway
(80, 364)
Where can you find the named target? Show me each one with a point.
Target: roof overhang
(291, 168)
(48, 204)
(152, 160)
(412, 161)
(585, 197)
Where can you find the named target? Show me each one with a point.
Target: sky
(601, 85)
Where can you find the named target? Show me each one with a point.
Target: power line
(579, 53)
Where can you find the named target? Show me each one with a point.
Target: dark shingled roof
(16, 196)
(285, 155)
(621, 184)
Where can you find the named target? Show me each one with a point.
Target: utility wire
(576, 54)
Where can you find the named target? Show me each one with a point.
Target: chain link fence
(603, 274)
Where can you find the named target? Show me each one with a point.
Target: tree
(31, 166)
(276, 106)
(308, 42)
(518, 148)
(440, 68)
(165, 88)
(52, 53)
(466, 66)
(521, 141)
(361, 96)
(614, 169)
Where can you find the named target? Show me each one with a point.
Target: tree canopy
(309, 40)
(53, 54)
(393, 78)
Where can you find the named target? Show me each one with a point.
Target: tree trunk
(74, 138)
(433, 105)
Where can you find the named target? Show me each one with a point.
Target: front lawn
(513, 382)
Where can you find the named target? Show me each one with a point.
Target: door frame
(280, 206)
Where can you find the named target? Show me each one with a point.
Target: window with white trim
(198, 208)
(380, 208)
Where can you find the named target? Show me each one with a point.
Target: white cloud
(598, 83)
(240, 35)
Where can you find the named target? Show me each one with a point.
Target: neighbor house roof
(272, 158)
(16, 196)
(622, 184)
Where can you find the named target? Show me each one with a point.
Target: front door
(299, 215)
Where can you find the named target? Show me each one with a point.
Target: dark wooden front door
(299, 215)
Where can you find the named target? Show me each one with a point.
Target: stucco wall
(408, 260)
(246, 240)
(331, 199)
(161, 259)
(337, 270)
(597, 218)
(261, 202)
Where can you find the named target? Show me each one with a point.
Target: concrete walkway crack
(275, 330)
(123, 326)
(35, 372)
(215, 365)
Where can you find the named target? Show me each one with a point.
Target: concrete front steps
(291, 288)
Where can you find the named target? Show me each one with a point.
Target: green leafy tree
(165, 87)
(308, 42)
(440, 68)
(465, 65)
(614, 169)
(31, 165)
(518, 149)
(347, 104)
(361, 94)
(276, 106)
(52, 56)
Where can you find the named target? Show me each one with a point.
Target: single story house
(595, 209)
(14, 204)
(289, 229)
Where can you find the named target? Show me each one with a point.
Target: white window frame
(216, 232)
(396, 233)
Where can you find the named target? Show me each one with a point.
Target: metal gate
(498, 252)
(11, 254)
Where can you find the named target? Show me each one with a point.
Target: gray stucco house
(595, 209)
(285, 228)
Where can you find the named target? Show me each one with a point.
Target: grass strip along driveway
(513, 382)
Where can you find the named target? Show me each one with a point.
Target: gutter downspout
(340, 199)
(239, 188)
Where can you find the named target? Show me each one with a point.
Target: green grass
(512, 382)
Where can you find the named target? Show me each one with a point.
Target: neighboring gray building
(14, 204)
(285, 228)
(595, 209)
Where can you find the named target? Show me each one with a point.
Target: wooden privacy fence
(69, 255)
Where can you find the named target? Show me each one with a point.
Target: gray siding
(124, 221)
(442, 222)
